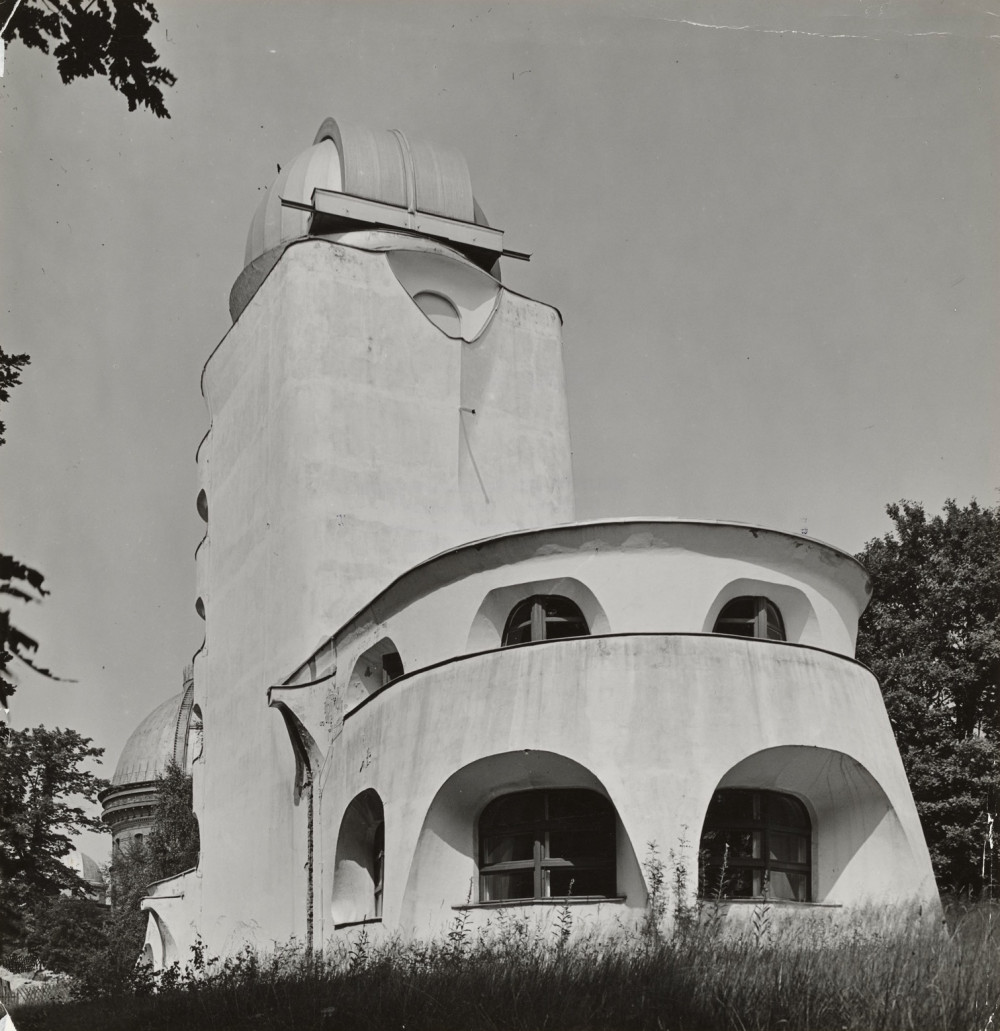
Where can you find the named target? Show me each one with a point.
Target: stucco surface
(627, 576)
(658, 722)
(338, 456)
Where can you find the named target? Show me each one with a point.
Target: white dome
(160, 737)
(384, 166)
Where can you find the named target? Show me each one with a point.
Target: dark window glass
(392, 667)
(751, 617)
(547, 844)
(756, 844)
(544, 618)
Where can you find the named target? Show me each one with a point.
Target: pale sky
(771, 229)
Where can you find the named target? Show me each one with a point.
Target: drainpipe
(310, 863)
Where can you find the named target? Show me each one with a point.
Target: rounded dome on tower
(385, 179)
(86, 869)
(160, 737)
(170, 732)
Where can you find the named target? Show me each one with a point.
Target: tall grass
(874, 974)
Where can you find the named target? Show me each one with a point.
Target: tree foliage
(932, 637)
(109, 38)
(170, 848)
(60, 932)
(24, 583)
(41, 781)
(17, 580)
(173, 843)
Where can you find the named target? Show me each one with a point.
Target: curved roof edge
(506, 649)
(861, 586)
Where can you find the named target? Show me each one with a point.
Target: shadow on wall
(360, 861)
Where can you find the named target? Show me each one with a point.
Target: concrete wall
(338, 456)
(657, 723)
(627, 576)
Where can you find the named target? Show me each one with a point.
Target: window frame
(539, 620)
(542, 862)
(761, 865)
(760, 623)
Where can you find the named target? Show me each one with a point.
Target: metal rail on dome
(360, 210)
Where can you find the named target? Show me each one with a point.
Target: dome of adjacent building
(85, 868)
(160, 737)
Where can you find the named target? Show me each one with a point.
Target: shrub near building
(932, 637)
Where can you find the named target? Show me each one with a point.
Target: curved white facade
(651, 711)
(380, 398)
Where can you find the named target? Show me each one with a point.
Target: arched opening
(160, 942)
(543, 617)
(522, 796)
(756, 844)
(493, 615)
(751, 616)
(457, 297)
(376, 667)
(359, 869)
(440, 311)
(816, 816)
(547, 843)
(799, 621)
(202, 505)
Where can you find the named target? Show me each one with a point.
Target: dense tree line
(932, 637)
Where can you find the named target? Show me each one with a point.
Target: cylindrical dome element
(162, 737)
(379, 165)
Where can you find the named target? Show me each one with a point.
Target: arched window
(751, 617)
(756, 844)
(544, 844)
(544, 617)
(378, 666)
(359, 866)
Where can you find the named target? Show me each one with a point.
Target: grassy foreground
(778, 977)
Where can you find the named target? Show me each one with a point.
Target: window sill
(567, 900)
(358, 923)
(761, 901)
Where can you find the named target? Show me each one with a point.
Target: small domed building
(172, 731)
(426, 688)
(89, 872)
